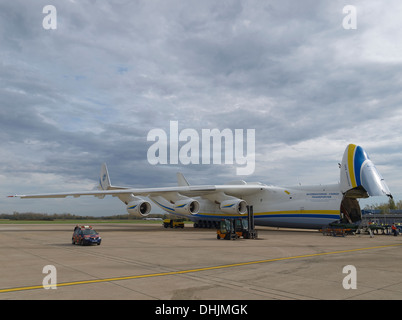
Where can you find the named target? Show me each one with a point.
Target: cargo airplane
(292, 207)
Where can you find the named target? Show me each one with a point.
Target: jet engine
(234, 206)
(187, 206)
(139, 207)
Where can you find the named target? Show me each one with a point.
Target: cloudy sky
(90, 91)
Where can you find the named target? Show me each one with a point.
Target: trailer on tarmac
(339, 229)
(173, 223)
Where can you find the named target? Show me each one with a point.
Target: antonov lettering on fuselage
(294, 207)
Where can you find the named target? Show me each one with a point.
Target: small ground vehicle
(85, 235)
(173, 223)
(232, 229)
(226, 230)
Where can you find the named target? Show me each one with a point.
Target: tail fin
(359, 176)
(104, 181)
(181, 180)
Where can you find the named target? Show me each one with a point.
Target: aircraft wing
(177, 199)
(191, 191)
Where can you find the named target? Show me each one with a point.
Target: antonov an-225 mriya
(290, 207)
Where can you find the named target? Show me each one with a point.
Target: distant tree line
(385, 207)
(67, 216)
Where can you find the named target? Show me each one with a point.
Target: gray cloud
(90, 91)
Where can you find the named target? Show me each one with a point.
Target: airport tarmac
(147, 262)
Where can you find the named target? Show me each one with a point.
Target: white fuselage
(306, 207)
(293, 207)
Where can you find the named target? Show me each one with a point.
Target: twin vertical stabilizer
(104, 180)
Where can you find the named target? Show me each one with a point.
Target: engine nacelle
(234, 206)
(187, 206)
(139, 207)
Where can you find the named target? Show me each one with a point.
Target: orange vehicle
(232, 229)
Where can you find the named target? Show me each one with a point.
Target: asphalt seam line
(64, 284)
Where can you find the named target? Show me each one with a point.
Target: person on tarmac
(394, 229)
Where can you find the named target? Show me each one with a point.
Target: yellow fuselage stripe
(351, 153)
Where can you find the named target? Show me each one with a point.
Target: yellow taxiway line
(64, 284)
